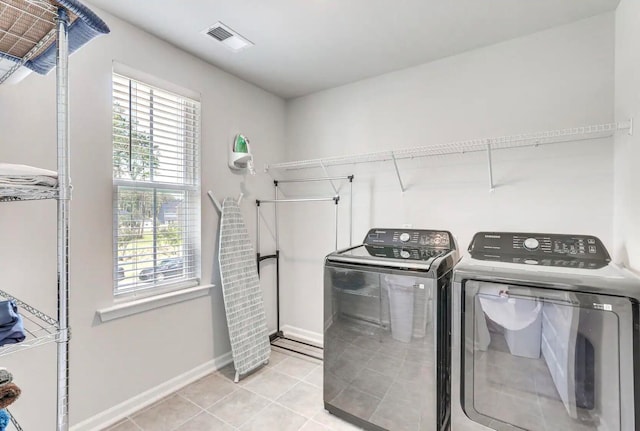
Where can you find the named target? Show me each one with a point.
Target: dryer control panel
(576, 251)
(410, 238)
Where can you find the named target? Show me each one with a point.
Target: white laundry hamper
(401, 304)
(521, 319)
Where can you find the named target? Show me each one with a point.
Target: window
(156, 183)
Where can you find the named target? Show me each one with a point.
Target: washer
(384, 360)
(545, 336)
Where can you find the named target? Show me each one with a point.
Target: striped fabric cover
(85, 25)
(243, 301)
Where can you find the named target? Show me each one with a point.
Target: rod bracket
(490, 164)
(395, 164)
(326, 174)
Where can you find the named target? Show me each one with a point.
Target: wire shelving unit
(32, 26)
(487, 145)
(39, 328)
(28, 31)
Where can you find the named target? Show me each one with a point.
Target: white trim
(127, 295)
(151, 302)
(138, 75)
(118, 412)
(303, 335)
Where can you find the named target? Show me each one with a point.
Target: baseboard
(114, 414)
(303, 335)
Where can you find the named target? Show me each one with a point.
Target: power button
(531, 244)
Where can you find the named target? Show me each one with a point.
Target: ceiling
(303, 46)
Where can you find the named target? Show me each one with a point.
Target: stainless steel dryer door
(546, 360)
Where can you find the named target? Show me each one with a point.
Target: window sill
(151, 303)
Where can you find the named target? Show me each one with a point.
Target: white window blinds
(156, 178)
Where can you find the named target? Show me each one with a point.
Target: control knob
(404, 237)
(405, 254)
(531, 244)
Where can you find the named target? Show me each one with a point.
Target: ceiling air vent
(219, 33)
(227, 37)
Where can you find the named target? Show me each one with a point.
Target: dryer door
(545, 360)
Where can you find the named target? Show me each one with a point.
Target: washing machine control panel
(393, 252)
(576, 251)
(410, 238)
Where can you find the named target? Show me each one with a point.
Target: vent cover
(219, 33)
(227, 37)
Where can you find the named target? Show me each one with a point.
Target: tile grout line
(218, 417)
(308, 418)
(191, 417)
(256, 414)
(298, 413)
(299, 378)
(136, 424)
(176, 392)
(122, 421)
(227, 396)
(275, 400)
(250, 418)
(270, 402)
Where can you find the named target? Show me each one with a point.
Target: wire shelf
(38, 327)
(461, 147)
(27, 193)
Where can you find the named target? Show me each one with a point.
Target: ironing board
(28, 34)
(243, 301)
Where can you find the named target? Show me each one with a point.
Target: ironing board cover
(19, 20)
(243, 301)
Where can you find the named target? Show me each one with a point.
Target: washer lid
(416, 258)
(607, 280)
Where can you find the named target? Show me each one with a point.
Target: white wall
(115, 361)
(627, 153)
(554, 79)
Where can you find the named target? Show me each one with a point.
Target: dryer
(545, 336)
(386, 345)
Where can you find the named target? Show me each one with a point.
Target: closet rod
(304, 180)
(259, 258)
(275, 201)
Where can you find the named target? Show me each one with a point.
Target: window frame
(191, 187)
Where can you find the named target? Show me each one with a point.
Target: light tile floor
(286, 395)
